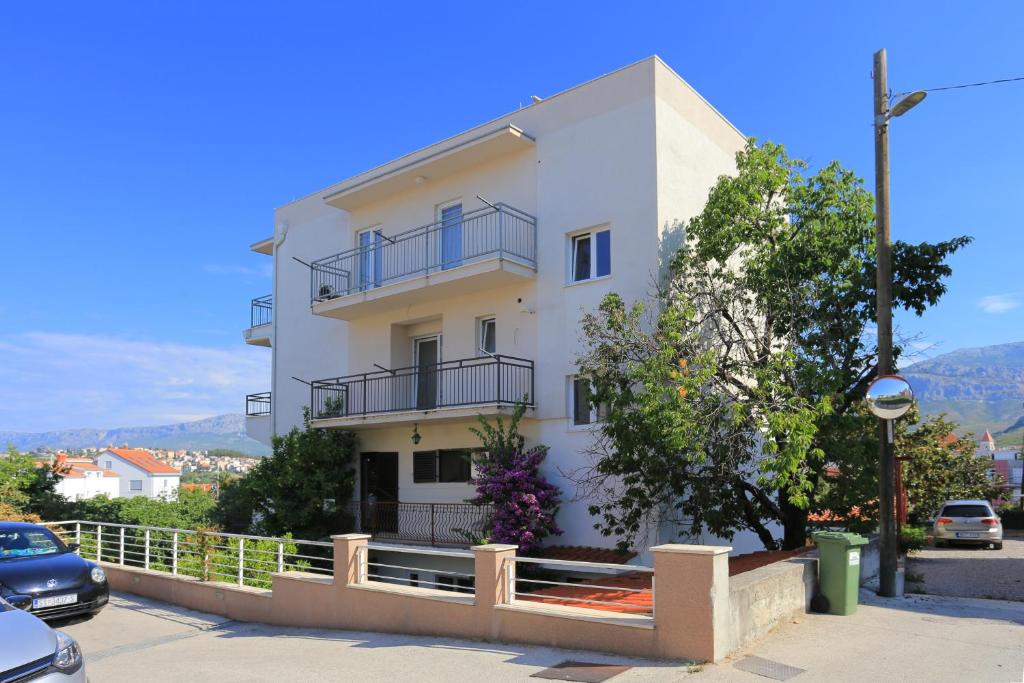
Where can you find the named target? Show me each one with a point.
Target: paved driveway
(920, 638)
(970, 571)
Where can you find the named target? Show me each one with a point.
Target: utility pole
(888, 546)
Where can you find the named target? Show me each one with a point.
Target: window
(454, 465)
(446, 466)
(591, 255)
(109, 465)
(487, 343)
(135, 485)
(583, 411)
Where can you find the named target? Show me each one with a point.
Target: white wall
(153, 485)
(89, 486)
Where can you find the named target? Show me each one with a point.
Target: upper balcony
(261, 315)
(449, 390)
(459, 254)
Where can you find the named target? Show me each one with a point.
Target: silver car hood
(25, 638)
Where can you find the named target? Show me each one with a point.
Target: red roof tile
(143, 460)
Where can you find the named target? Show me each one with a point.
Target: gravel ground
(970, 571)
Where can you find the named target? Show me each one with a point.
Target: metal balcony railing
(261, 310)
(502, 232)
(257, 404)
(433, 523)
(490, 380)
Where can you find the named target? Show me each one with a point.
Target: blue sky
(143, 146)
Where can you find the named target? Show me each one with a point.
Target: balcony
(452, 390)
(257, 404)
(489, 247)
(257, 417)
(430, 523)
(261, 315)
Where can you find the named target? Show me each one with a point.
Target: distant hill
(222, 431)
(979, 388)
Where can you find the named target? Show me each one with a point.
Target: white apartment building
(449, 283)
(139, 473)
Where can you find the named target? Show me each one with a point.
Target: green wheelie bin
(839, 569)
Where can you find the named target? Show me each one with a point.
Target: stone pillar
(691, 600)
(492, 586)
(346, 558)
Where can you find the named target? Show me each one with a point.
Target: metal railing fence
(261, 310)
(373, 570)
(433, 523)
(257, 404)
(486, 380)
(598, 586)
(242, 559)
(501, 231)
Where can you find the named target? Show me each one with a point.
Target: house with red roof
(81, 479)
(140, 473)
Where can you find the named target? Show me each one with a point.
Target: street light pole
(888, 546)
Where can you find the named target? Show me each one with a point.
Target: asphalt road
(970, 571)
(919, 638)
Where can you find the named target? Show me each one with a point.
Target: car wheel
(997, 546)
(940, 544)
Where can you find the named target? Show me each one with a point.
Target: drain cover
(767, 668)
(583, 672)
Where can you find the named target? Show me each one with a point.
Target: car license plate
(967, 534)
(54, 601)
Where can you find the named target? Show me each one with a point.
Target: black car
(42, 575)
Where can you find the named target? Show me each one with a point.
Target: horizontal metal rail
(244, 559)
(489, 380)
(600, 586)
(499, 231)
(257, 404)
(373, 571)
(261, 310)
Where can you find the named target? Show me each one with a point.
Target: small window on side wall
(583, 411)
(591, 255)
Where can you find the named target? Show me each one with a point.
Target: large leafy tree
(302, 489)
(26, 486)
(769, 305)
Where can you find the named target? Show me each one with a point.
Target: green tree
(26, 487)
(769, 301)
(301, 489)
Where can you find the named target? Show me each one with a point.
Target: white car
(969, 522)
(32, 651)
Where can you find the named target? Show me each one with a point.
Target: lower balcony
(422, 523)
(257, 417)
(452, 390)
(261, 315)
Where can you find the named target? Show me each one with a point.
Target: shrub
(508, 477)
(912, 539)
(1011, 517)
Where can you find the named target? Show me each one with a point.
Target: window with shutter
(424, 467)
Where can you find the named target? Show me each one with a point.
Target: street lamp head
(908, 103)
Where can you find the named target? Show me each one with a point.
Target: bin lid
(839, 537)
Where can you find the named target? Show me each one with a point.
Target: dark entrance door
(378, 493)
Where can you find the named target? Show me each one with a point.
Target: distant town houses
(131, 472)
(1007, 463)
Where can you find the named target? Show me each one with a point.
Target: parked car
(42, 575)
(32, 651)
(969, 522)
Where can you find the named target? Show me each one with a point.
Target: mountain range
(221, 431)
(978, 388)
